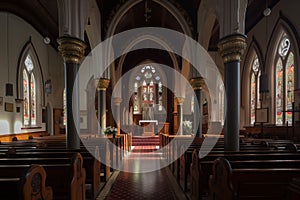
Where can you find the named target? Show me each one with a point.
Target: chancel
(149, 99)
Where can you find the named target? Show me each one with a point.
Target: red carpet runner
(151, 185)
(145, 141)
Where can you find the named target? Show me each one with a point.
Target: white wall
(14, 34)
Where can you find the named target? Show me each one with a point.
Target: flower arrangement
(187, 127)
(110, 130)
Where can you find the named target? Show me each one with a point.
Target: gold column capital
(103, 84)
(232, 47)
(197, 83)
(71, 49)
(180, 100)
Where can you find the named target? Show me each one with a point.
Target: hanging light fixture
(8, 86)
(147, 11)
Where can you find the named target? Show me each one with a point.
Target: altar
(148, 127)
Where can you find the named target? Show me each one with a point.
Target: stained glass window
(221, 104)
(136, 100)
(26, 98)
(253, 98)
(33, 99)
(284, 82)
(160, 89)
(279, 93)
(29, 94)
(29, 64)
(65, 107)
(254, 89)
(289, 86)
(151, 88)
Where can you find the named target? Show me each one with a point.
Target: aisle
(158, 184)
(151, 185)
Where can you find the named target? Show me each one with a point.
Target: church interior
(149, 99)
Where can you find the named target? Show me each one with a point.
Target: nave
(64, 137)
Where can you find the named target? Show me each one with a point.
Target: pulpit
(148, 126)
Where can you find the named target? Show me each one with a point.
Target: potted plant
(187, 127)
(111, 131)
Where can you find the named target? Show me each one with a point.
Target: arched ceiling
(43, 15)
(159, 17)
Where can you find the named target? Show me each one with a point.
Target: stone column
(72, 51)
(197, 84)
(231, 49)
(101, 92)
(116, 109)
(180, 101)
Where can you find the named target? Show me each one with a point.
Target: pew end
(79, 176)
(219, 183)
(32, 184)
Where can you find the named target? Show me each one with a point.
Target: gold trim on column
(197, 83)
(71, 49)
(232, 47)
(180, 100)
(103, 84)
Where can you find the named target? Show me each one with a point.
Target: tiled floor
(151, 185)
(140, 180)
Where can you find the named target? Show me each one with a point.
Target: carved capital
(197, 83)
(103, 84)
(71, 49)
(232, 47)
(180, 100)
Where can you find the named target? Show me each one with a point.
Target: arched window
(30, 87)
(29, 93)
(284, 81)
(160, 99)
(64, 107)
(136, 100)
(221, 104)
(151, 91)
(254, 88)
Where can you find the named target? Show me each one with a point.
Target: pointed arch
(253, 60)
(283, 46)
(30, 85)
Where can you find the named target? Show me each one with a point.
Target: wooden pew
(185, 160)
(294, 189)
(30, 185)
(53, 146)
(91, 163)
(249, 183)
(201, 169)
(66, 179)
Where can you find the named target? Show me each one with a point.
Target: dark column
(72, 51)
(116, 109)
(197, 84)
(231, 49)
(101, 90)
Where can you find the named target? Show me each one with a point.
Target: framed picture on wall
(9, 107)
(262, 115)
